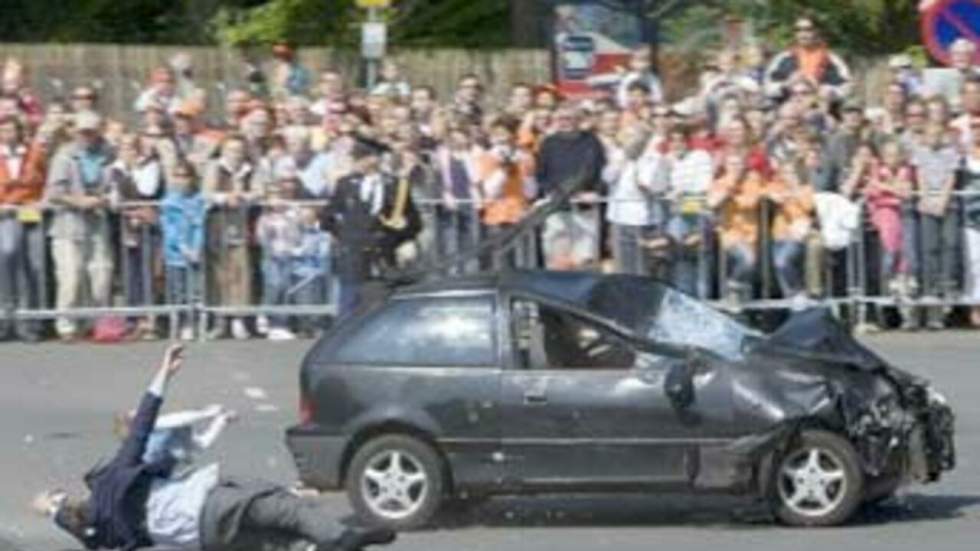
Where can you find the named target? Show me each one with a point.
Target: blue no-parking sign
(947, 21)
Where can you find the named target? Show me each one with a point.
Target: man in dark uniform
(353, 218)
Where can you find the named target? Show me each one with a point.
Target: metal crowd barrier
(138, 293)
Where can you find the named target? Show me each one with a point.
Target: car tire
(396, 482)
(818, 481)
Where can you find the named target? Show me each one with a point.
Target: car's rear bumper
(318, 457)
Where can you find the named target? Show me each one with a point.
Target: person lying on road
(134, 504)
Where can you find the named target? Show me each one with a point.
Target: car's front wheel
(396, 481)
(818, 482)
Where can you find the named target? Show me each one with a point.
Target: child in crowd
(735, 197)
(182, 217)
(888, 192)
(311, 273)
(793, 213)
(136, 178)
(278, 233)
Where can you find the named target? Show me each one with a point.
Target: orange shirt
(28, 186)
(510, 204)
(738, 215)
(792, 214)
(812, 62)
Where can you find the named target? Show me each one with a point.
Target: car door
(432, 363)
(581, 406)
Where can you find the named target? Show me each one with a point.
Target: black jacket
(357, 230)
(566, 156)
(120, 488)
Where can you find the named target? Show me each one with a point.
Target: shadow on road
(683, 510)
(916, 507)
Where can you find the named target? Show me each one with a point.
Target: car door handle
(533, 398)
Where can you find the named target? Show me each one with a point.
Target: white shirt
(692, 173)
(372, 192)
(15, 160)
(175, 507)
(629, 204)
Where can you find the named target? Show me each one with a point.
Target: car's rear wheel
(818, 482)
(396, 481)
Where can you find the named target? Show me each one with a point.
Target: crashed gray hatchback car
(538, 382)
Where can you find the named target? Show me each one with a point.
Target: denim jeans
(741, 264)
(21, 273)
(787, 260)
(183, 288)
(312, 290)
(939, 237)
(275, 284)
(690, 263)
(138, 263)
(627, 252)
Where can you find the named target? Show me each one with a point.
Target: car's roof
(571, 287)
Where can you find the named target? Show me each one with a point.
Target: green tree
(472, 23)
(857, 27)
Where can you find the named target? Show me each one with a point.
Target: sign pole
(372, 61)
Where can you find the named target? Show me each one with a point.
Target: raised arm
(134, 446)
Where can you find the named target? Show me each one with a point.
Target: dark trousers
(459, 231)
(939, 236)
(266, 519)
(21, 271)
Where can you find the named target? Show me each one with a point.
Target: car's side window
(437, 332)
(550, 338)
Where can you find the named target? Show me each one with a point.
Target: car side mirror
(679, 385)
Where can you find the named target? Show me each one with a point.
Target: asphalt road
(57, 401)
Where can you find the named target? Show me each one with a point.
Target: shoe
(187, 333)
(219, 330)
(355, 539)
(262, 325)
(866, 328)
(279, 334)
(238, 330)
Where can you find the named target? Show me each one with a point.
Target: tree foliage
(472, 23)
(864, 27)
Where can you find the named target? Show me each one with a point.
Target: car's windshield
(661, 314)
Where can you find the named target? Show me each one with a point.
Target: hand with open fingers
(45, 502)
(173, 358)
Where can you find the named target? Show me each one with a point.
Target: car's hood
(814, 334)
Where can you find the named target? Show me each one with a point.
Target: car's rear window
(437, 332)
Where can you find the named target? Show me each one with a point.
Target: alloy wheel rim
(394, 484)
(812, 482)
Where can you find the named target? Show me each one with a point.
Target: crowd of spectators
(771, 170)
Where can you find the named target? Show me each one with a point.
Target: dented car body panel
(582, 382)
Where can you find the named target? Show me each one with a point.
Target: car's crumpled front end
(900, 426)
(908, 432)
